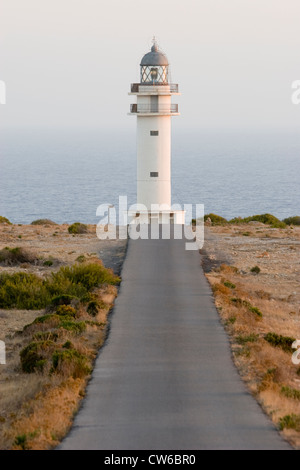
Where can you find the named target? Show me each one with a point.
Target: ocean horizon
(64, 175)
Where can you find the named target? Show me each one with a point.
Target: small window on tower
(154, 174)
(153, 132)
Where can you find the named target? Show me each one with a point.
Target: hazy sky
(70, 62)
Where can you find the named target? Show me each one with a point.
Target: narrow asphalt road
(165, 378)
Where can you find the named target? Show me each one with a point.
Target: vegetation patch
(292, 220)
(70, 362)
(4, 220)
(255, 269)
(229, 284)
(77, 228)
(290, 392)
(279, 341)
(267, 219)
(34, 355)
(245, 303)
(43, 222)
(244, 339)
(14, 256)
(215, 219)
(291, 421)
(28, 291)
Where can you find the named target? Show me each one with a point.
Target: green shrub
(243, 339)
(283, 342)
(23, 291)
(255, 310)
(215, 219)
(13, 256)
(48, 262)
(63, 299)
(45, 336)
(28, 291)
(4, 220)
(255, 269)
(69, 324)
(93, 308)
(291, 421)
(229, 284)
(86, 275)
(244, 303)
(267, 219)
(77, 228)
(63, 310)
(21, 441)
(81, 259)
(43, 222)
(34, 355)
(290, 392)
(70, 362)
(292, 220)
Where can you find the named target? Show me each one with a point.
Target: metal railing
(148, 108)
(135, 86)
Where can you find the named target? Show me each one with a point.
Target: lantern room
(154, 67)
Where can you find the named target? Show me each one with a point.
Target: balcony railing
(148, 108)
(135, 86)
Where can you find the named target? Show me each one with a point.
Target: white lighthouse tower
(154, 111)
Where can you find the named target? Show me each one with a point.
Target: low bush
(290, 392)
(76, 327)
(291, 421)
(255, 269)
(17, 255)
(77, 228)
(34, 355)
(23, 291)
(283, 342)
(229, 284)
(243, 339)
(267, 219)
(63, 310)
(244, 303)
(48, 262)
(28, 291)
(292, 220)
(4, 220)
(87, 276)
(43, 222)
(70, 362)
(215, 219)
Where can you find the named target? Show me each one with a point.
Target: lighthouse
(154, 110)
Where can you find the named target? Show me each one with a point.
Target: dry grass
(275, 292)
(37, 409)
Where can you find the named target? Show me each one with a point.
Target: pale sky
(69, 63)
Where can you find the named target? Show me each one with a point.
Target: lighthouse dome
(154, 67)
(154, 57)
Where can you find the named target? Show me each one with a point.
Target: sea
(64, 175)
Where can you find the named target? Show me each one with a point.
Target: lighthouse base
(156, 217)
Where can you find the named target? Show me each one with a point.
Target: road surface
(165, 379)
